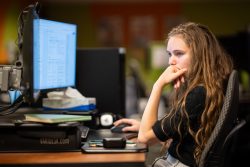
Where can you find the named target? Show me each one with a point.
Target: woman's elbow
(142, 139)
(146, 137)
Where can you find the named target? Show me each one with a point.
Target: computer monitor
(100, 73)
(49, 55)
(54, 54)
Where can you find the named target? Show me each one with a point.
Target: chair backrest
(213, 153)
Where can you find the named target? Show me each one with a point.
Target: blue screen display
(54, 50)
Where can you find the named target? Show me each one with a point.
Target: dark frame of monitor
(25, 38)
(100, 73)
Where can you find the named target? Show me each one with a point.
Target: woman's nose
(172, 60)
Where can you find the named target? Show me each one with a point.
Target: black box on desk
(36, 137)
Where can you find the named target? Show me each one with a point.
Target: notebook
(98, 135)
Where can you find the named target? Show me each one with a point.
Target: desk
(72, 159)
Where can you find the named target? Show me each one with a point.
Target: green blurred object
(244, 78)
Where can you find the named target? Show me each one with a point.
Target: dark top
(195, 104)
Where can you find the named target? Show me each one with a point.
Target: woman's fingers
(178, 82)
(172, 74)
(182, 79)
(120, 121)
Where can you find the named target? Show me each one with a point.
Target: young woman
(198, 69)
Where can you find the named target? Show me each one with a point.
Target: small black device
(118, 142)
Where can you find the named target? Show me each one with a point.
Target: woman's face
(179, 52)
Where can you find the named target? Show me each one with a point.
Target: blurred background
(141, 27)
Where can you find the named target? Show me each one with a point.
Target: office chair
(217, 148)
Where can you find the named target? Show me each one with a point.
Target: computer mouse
(118, 128)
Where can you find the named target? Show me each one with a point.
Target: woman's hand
(178, 81)
(135, 125)
(171, 74)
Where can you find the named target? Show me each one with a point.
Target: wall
(224, 18)
(133, 25)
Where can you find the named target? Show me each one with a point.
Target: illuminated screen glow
(54, 61)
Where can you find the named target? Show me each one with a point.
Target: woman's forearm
(150, 115)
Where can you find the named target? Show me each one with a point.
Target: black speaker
(100, 73)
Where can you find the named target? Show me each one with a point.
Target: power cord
(9, 109)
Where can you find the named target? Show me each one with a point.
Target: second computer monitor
(100, 73)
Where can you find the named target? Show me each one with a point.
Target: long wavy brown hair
(210, 67)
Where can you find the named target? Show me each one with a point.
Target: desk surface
(70, 158)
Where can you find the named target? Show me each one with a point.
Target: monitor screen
(54, 54)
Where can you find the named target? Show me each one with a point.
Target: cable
(9, 109)
(4, 107)
(22, 18)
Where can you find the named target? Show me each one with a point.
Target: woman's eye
(169, 54)
(179, 53)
